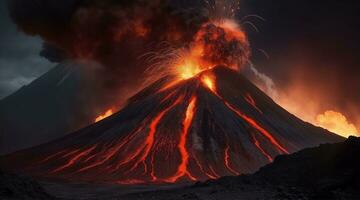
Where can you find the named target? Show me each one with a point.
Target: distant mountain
(212, 125)
(50, 107)
(327, 172)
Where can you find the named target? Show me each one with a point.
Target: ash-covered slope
(211, 125)
(329, 172)
(53, 105)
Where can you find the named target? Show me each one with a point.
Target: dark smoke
(96, 29)
(223, 46)
(112, 33)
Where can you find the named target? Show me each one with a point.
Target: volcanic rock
(14, 187)
(212, 125)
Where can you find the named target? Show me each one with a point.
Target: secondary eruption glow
(105, 115)
(337, 123)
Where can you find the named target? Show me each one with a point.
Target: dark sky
(20, 62)
(313, 48)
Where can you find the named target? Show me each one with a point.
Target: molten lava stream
(257, 144)
(254, 124)
(209, 82)
(227, 161)
(202, 169)
(141, 153)
(252, 102)
(74, 159)
(111, 151)
(150, 138)
(182, 168)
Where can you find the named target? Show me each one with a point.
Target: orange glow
(209, 81)
(203, 52)
(182, 168)
(336, 123)
(189, 69)
(105, 115)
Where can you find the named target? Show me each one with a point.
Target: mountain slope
(51, 106)
(205, 127)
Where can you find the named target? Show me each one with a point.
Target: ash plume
(111, 33)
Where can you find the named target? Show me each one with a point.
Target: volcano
(214, 124)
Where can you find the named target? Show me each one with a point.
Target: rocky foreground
(330, 171)
(13, 187)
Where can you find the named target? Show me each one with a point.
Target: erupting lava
(220, 42)
(193, 125)
(108, 113)
(183, 167)
(197, 129)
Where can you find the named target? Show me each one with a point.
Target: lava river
(211, 125)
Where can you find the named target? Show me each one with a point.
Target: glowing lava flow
(203, 170)
(74, 159)
(252, 102)
(149, 142)
(111, 152)
(249, 120)
(144, 150)
(105, 115)
(209, 81)
(254, 124)
(182, 168)
(257, 144)
(227, 161)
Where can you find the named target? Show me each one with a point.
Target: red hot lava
(197, 129)
(183, 129)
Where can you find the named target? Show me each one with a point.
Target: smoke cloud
(111, 33)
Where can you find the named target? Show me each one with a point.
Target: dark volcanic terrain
(214, 124)
(13, 187)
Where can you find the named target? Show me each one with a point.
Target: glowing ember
(108, 113)
(337, 123)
